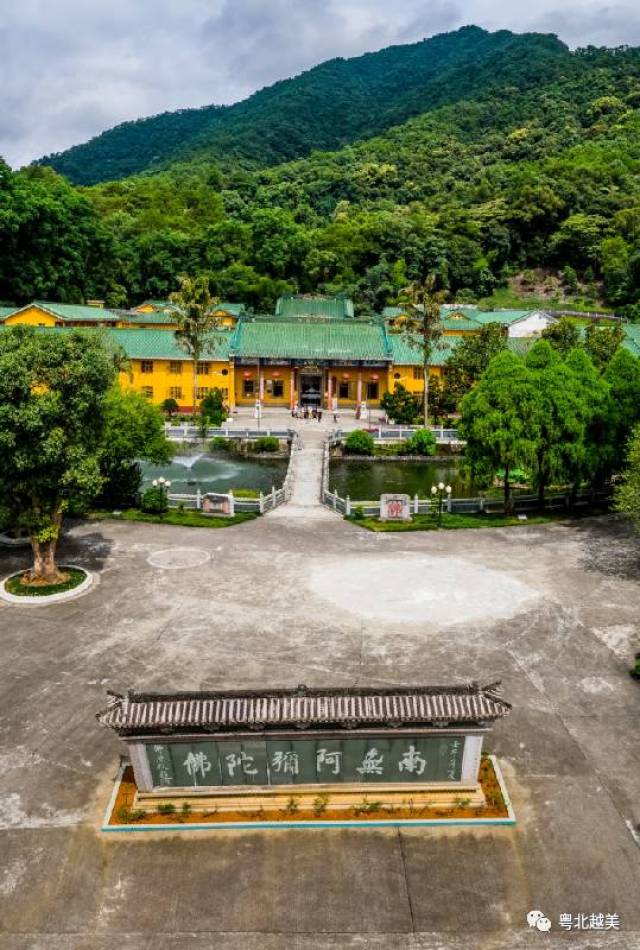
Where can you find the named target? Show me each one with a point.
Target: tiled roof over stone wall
(303, 708)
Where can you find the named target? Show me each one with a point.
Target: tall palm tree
(421, 324)
(194, 321)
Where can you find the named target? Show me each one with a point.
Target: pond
(364, 480)
(217, 473)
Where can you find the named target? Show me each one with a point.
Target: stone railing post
(232, 504)
(198, 498)
(347, 506)
(261, 503)
(416, 504)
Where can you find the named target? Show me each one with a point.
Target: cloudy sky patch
(72, 68)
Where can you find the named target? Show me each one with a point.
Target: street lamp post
(442, 491)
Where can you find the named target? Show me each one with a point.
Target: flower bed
(14, 585)
(124, 813)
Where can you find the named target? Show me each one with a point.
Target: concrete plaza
(551, 610)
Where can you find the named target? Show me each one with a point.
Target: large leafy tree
(498, 420)
(560, 416)
(601, 343)
(563, 335)
(53, 244)
(586, 461)
(194, 321)
(623, 378)
(134, 430)
(627, 493)
(471, 357)
(53, 395)
(421, 325)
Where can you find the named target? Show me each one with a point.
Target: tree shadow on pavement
(610, 547)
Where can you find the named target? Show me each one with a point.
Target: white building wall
(531, 325)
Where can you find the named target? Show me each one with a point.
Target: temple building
(313, 350)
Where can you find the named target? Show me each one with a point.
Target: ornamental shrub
(170, 407)
(401, 405)
(422, 442)
(266, 443)
(212, 408)
(359, 442)
(154, 500)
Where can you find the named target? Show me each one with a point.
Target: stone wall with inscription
(276, 761)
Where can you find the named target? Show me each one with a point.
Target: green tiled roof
(5, 311)
(301, 305)
(404, 354)
(632, 338)
(504, 317)
(158, 316)
(70, 312)
(457, 321)
(292, 339)
(162, 344)
(520, 345)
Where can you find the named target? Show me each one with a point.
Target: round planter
(42, 600)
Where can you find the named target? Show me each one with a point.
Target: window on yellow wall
(202, 368)
(201, 392)
(275, 388)
(175, 392)
(147, 391)
(146, 366)
(372, 390)
(248, 387)
(175, 367)
(417, 372)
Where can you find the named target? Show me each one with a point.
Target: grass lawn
(450, 522)
(15, 586)
(505, 299)
(186, 519)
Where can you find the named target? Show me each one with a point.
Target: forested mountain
(537, 166)
(324, 108)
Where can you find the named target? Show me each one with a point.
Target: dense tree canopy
(514, 154)
(53, 391)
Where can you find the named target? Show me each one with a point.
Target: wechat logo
(535, 918)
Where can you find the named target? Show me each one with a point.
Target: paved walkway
(307, 478)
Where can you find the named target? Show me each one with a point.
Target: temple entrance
(310, 389)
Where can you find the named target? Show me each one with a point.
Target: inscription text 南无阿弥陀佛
(306, 761)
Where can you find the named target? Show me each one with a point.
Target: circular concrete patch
(418, 589)
(172, 559)
(44, 601)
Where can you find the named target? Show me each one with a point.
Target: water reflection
(364, 480)
(218, 473)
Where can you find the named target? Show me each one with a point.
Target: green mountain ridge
(532, 166)
(324, 108)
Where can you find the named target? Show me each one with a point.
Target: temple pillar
(359, 397)
(292, 388)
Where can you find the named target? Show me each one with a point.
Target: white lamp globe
(161, 480)
(440, 486)
(433, 489)
(448, 489)
(167, 484)
(155, 483)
